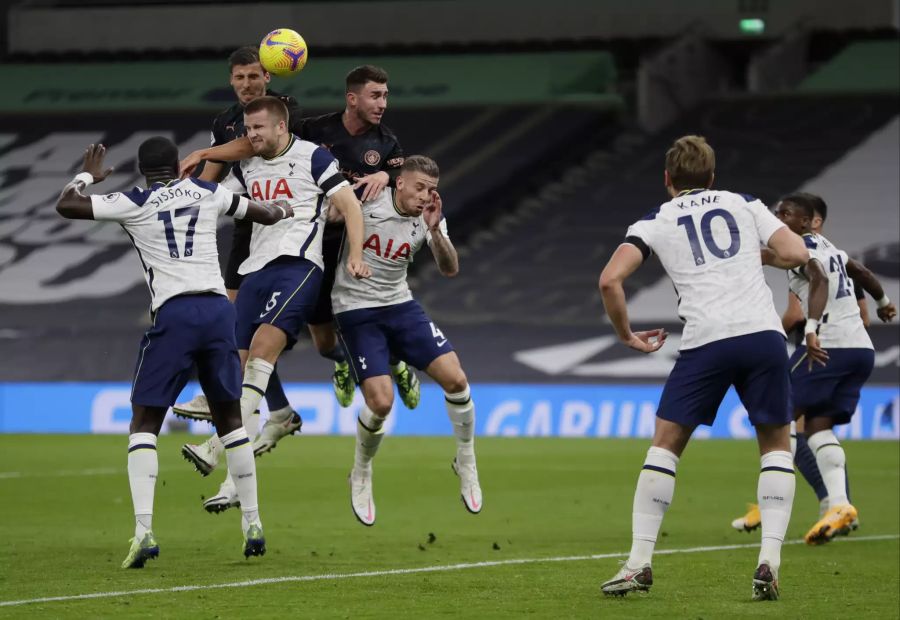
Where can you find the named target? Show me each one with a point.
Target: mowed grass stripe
(408, 571)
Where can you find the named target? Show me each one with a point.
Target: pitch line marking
(406, 571)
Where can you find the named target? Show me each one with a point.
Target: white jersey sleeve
(325, 172)
(233, 183)
(115, 207)
(230, 203)
(766, 222)
(442, 226)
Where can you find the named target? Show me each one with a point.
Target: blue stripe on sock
(239, 442)
(141, 446)
(458, 402)
(773, 468)
(254, 388)
(661, 470)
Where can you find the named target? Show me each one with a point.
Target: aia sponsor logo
(388, 251)
(270, 190)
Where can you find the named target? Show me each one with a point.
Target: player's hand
(432, 212)
(288, 209)
(647, 342)
(374, 184)
(358, 268)
(887, 313)
(187, 165)
(814, 351)
(93, 162)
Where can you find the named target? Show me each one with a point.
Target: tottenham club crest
(372, 157)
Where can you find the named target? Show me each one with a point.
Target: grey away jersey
(391, 241)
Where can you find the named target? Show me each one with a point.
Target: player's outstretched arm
(860, 274)
(444, 253)
(72, 203)
(789, 249)
(236, 150)
(269, 214)
(625, 260)
(344, 200)
(818, 298)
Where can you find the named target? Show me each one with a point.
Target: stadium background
(549, 121)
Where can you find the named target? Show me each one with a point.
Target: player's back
(708, 241)
(841, 325)
(173, 228)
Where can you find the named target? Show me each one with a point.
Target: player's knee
(456, 382)
(380, 404)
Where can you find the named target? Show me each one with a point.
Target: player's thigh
(322, 313)
(217, 359)
(854, 366)
(323, 335)
(447, 372)
(365, 342)
(414, 337)
(763, 381)
(165, 358)
(812, 389)
(379, 394)
(695, 387)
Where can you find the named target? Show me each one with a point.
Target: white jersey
(841, 326)
(708, 242)
(304, 174)
(173, 229)
(391, 241)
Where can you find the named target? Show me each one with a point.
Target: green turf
(64, 533)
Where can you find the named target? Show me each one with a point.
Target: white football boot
(195, 409)
(361, 500)
(280, 424)
(469, 488)
(205, 456)
(226, 498)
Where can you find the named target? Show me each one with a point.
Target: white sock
(369, 433)
(793, 439)
(256, 380)
(831, 460)
(655, 488)
(775, 494)
(143, 467)
(242, 467)
(461, 410)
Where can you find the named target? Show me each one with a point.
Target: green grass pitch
(66, 520)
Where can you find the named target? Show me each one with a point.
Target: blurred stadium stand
(542, 170)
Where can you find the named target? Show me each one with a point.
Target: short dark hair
(243, 56)
(157, 153)
(272, 105)
(810, 204)
(690, 163)
(366, 73)
(420, 163)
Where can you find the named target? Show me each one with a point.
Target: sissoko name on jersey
(303, 175)
(391, 241)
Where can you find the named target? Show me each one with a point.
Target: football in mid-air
(283, 52)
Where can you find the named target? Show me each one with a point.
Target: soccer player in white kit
(827, 395)
(172, 225)
(284, 269)
(378, 316)
(709, 241)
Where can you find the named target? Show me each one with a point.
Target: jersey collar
(285, 150)
(689, 192)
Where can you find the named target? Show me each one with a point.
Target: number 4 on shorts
(438, 335)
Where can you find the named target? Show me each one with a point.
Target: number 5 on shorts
(271, 303)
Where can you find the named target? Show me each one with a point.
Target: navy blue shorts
(188, 330)
(833, 389)
(283, 294)
(755, 364)
(371, 335)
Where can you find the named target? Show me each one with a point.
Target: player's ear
(712, 179)
(267, 77)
